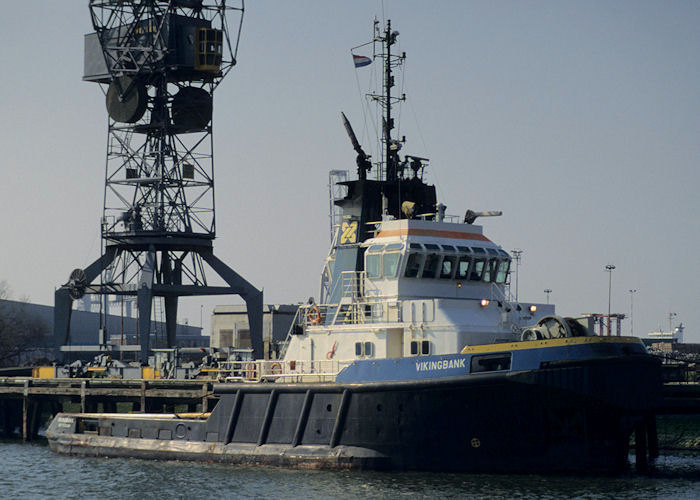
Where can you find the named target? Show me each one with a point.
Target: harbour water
(32, 471)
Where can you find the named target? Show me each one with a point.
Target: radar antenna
(363, 163)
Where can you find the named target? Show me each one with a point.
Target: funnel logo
(348, 233)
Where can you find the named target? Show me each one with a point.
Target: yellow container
(44, 372)
(150, 373)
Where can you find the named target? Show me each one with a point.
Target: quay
(28, 403)
(680, 398)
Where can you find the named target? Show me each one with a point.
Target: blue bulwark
(415, 368)
(490, 359)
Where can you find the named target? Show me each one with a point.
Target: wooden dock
(26, 402)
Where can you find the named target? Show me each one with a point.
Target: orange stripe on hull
(432, 232)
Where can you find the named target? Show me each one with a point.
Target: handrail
(281, 370)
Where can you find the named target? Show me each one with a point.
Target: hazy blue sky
(580, 120)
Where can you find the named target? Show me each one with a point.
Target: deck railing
(283, 371)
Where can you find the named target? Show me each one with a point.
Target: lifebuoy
(251, 371)
(276, 369)
(314, 315)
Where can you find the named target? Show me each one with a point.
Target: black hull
(568, 418)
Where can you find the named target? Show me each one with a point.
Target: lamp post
(609, 268)
(632, 292)
(517, 254)
(547, 291)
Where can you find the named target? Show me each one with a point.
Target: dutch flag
(361, 61)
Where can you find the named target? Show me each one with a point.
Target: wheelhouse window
(447, 268)
(490, 270)
(446, 262)
(503, 268)
(431, 265)
(477, 269)
(413, 263)
(391, 258)
(373, 265)
(463, 267)
(373, 261)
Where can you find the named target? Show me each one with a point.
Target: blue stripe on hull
(455, 365)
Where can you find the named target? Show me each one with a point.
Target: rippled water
(33, 471)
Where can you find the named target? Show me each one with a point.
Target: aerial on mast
(390, 146)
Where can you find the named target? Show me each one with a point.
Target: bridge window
(477, 270)
(391, 259)
(490, 270)
(463, 267)
(502, 274)
(431, 265)
(391, 263)
(373, 261)
(447, 268)
(413, 264)
(373, 265)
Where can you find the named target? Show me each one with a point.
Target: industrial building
(229, 326)
(86, 326)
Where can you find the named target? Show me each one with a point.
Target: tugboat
(415, 358)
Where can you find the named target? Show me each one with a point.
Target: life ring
(276, 369)
(251, 371)
(314, 315)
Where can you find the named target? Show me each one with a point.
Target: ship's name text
(443, 364)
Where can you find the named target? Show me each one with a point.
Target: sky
(579, 120)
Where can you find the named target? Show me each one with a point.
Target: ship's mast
(388, 83)
(387, 39)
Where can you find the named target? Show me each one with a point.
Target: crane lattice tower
(158, 62)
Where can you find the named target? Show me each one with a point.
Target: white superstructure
(427, 288)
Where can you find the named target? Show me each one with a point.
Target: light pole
(632, 292)
(670, 321)
(547, 291)
(609, 268)
(517, 254)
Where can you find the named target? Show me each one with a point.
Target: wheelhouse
(436, 262)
